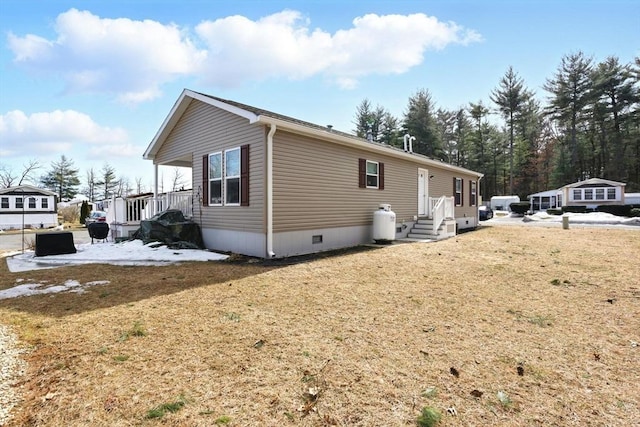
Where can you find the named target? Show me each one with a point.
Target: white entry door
(423, 192)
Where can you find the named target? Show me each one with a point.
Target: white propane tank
(384, 224)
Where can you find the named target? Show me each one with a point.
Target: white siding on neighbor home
(203, 130)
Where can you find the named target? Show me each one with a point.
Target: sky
(94, 80)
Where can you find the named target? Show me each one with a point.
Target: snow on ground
(28, 289)
(132, 252)
(591, 218)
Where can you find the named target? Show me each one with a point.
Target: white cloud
(55, 132)
(133, 59)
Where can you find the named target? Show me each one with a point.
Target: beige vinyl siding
(204, 129)
(442, 185)
(316, 185)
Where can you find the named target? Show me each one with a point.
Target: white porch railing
(134, 210)
(440, 209)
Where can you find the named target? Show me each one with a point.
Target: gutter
(269, 195)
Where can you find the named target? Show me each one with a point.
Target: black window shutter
(455, 198)
(380, 176)
(362, 173)
(461, 192)
(244, 175)
(205, 180)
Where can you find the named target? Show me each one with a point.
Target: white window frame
(473, 197)
(458, 192)
(2, 203)
(228, 177)
(44, 203)
(220, 179)
(615, 194)
(376, 175)
(577, 194)
(19, 203)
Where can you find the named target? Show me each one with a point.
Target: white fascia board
(354, 142)
(179, 108)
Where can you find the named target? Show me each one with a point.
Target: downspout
(269, 198)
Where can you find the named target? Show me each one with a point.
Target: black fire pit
(98, 230)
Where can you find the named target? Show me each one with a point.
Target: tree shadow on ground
(128, 284)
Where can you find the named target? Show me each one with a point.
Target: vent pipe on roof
(408, 142)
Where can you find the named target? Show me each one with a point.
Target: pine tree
(420, 122)
(510, 97)
(62, 179)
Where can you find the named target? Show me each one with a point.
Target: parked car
(485, 213)
(95, 216)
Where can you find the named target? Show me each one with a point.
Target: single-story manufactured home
(27, 206)
(269, 185)
(591, 193)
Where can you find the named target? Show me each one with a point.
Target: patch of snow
(132, 252)
(29, 289)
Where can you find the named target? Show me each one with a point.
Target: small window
(611, 193)
(32, 202)
(44, 203)
(458, 191)
(372, 174)
(599, 193)
(232, 176)
(577, 194)
(5, 203)
(215, 179)
(472, 193)
(19, 203)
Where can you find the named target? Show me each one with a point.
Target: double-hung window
(457, 190)
(232, 177)
(472, 193)
(370, 174)
(611, 193)
(32, 202)
(44, 203)
(215, 179)
(5, 203)
(225, 180)
(19, 203)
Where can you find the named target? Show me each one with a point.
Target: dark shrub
(635, 212)
(574, 209)
(554, 211)
(520, 208)
(617, 210)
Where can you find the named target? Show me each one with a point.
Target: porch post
(155, 189)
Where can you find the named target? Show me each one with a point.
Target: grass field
(504, 326)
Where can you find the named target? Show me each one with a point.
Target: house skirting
(290, 243)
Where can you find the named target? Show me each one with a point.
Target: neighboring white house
(544, 200)
(632, 198)
(593, 192)
(27, 206)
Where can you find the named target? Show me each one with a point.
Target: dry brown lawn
(511, 326)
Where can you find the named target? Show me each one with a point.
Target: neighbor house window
(577, 194)
(611, 193)
(472, 193)
(19, 203)
(457, 190)
(599, 193)
(232, 176)
(215, 179)
(370, 174)
(32, 202)
(44, 203)
(225, 177)
(4, 203)
(588, 194)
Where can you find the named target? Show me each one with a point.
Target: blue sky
(94, 80)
